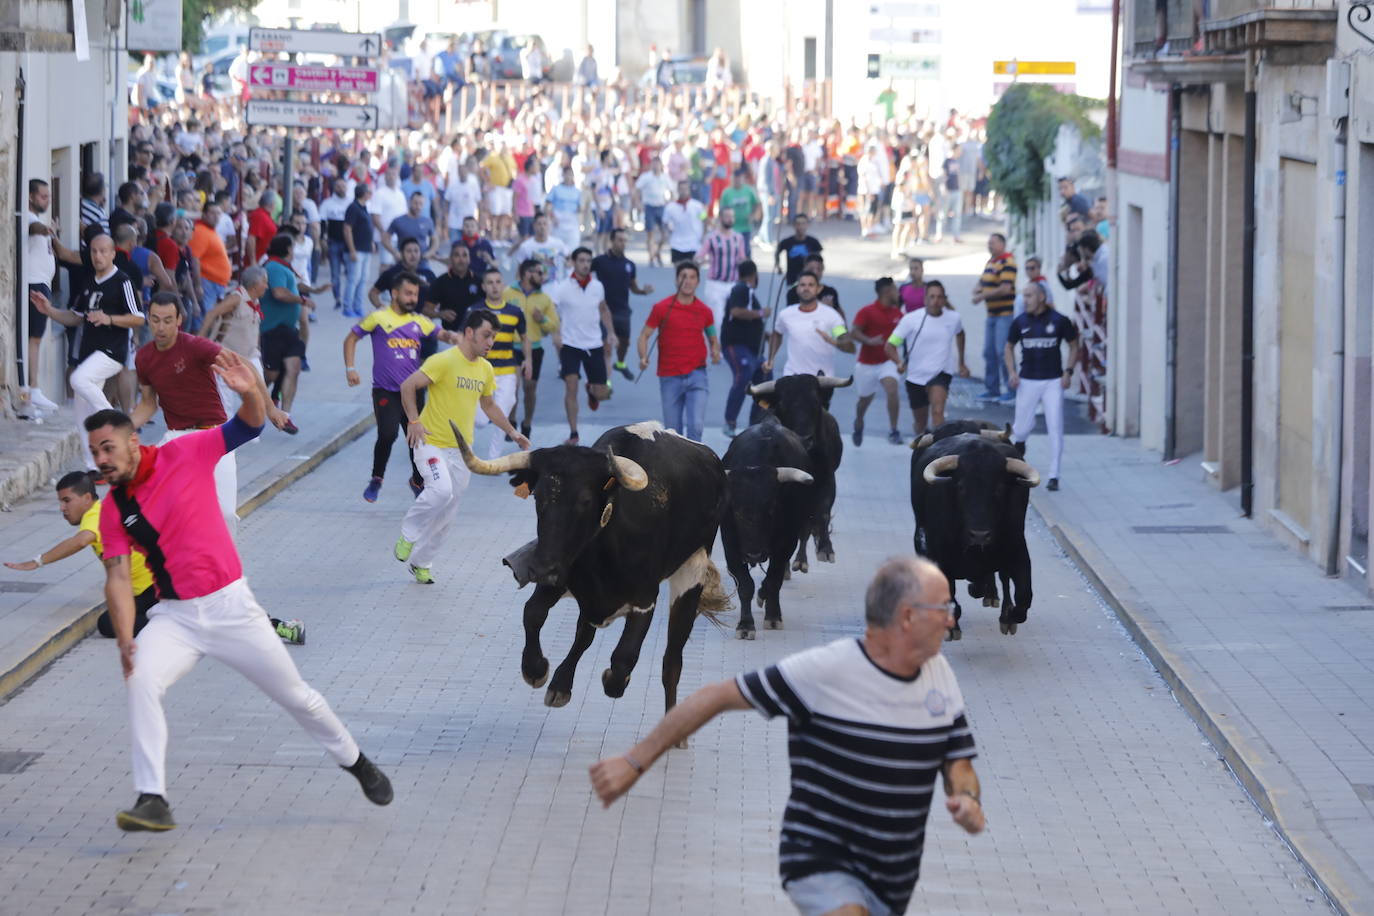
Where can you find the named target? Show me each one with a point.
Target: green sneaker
(422, 574)
(150, 812)
(403, 549)
(293, 631)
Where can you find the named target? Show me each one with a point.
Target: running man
(541, 320)
(585, 317)
(814, 332)
(511, 364)
(398, 332)
(681, 320)
(924, 346)
(873, 325)
(459, 381)
(618, 278)
(80, 507)
(1042, 379)
(162, 503)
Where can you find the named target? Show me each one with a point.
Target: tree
(195, 12)
(1021, 133)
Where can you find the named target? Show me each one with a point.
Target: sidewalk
(43, 613)
(1273, 660)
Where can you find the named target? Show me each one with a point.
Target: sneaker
(988, 396)
(305, 364)
(373, 488)
(1053, 484)
(416, 488)
(290, 428)
(375, 785)
(625, 371)
(293, 631)
(422, 574)
(857, 437)
(1008, 398)
(894, 437)
(402, 549)
(572, 439)
(592, 402)
(150, 812)
(525, 430)
(41, 401)
(730, 431)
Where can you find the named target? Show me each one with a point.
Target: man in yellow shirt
(498, 171)
(458, 380)
(541, 319)
(77, 500)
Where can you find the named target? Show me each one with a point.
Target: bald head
(900, 580)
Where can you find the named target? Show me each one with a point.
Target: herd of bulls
(644, 504)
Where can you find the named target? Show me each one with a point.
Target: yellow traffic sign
(1034, 67)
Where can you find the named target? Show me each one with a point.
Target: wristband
(971, 795)
(39, 560)
(638, 767)
(350, 369)
(413, 422)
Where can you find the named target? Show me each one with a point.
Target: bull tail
(714, 599)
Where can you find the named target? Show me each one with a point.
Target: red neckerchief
(1002, 257)
(147, 461)
(683, 200)
(287, 265)
(581, 281)
(470, 240)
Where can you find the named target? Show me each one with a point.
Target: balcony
(1233, 26)
(46, 25)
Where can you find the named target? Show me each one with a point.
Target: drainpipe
(1171, 293)
(21, 206)
(1247, 305)
(1336, 441)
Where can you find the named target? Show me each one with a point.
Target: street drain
(12, 762)
(1180, 529)
(1348, 607)
(21, 588)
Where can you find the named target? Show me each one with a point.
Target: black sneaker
(375, 785)
(625, 371)
(525, 430)
(1053, 484)
(858, 436)
(150, 812)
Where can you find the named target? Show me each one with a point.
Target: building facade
(1244, 196)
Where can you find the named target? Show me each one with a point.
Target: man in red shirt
(176, 372)
(681, 320)
(261, 228)
(872, 327)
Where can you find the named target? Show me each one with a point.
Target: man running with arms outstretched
(162, 502)
(458, 380)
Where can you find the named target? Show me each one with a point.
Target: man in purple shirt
(397, 332)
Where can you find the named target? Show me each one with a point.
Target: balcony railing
(1177, 28)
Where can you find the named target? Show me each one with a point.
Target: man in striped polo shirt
(721, 251)
(871, 722)
(996, 290)
(510, 333)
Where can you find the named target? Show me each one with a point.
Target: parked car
(677, 71)
(504, 50)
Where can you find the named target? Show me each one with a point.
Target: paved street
(1102, 795)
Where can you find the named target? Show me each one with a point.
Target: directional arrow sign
(312, 79)
(315, 41)
(309, 114)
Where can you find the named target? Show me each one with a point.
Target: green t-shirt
(888, 99)
(742, 201)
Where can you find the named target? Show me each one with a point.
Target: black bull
(796, 401)
(614, 520)
(969, 494)
(772, 498)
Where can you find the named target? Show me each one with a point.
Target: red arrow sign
(312, 79)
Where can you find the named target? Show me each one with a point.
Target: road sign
(315, 41)
(1034, 67)
(312, 79)
(310, 114)
(154, 25)
(913, 36)
(904, 66)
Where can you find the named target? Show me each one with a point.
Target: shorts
(808, 182)
(919, 396)
(38, 322)
(499, 201)
(679, 256)
(653, 218)
(868, 378)
(536, 361)
(826, 891)
(525, 226)
(574, 361)
(605, 222)
(875, 202)
(280, 344)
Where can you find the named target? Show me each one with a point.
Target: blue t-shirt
(357, 217)
(425, 189)
(276, 314)
(419, 228)
(565, 199)
(616, 274)
(1040, 336)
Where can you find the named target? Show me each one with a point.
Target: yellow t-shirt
(534, 328)
(500, 168)
(456, 384)
(138, 570)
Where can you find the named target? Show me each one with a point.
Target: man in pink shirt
(162, 502)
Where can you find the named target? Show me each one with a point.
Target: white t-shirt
(463, 198)
(225, 227)
(807, 354)
(811, 155)
(552, 253)
(653, 189)
(311, 210)
(579, 312)
(928, 342)
(40, 264)
(686, 223)
(301, 249)
(387, 203)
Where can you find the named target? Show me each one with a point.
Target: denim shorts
(653, 217)
(825, 891)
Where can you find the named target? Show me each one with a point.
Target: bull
(639, 506)
(969, 494)
(796, 402)
(984, 428)
(771, 499)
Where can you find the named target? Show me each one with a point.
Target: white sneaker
(40, 400)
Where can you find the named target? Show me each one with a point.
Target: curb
(1244, 750)
(64, 639)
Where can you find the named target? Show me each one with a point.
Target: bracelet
(638, 767)
(413, 422)
(971, 795)
(39, 560)
(350, 369)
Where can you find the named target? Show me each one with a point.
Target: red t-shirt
(879, 321)
(261, 227)
(681, 334)
(168, 251)
(184, 382)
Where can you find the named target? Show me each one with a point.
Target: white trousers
(230, 626)
(506, 387)
(226, 482)
(432, 514)
(1030, 393)
(88, 384)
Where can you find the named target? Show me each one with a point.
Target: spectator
(1071, 200)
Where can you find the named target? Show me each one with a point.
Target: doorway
(1298, 192)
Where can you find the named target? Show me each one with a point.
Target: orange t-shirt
(208, 249)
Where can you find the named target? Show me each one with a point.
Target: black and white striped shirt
(113, 295)
(93, 213)
(865, 747)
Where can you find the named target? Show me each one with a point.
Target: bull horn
(935, 471)
(829, 381)
(922, 442)
(762, 388)
(1023, 470)
(996, 435)
(629, 473)
(514, 462)
(794, 475)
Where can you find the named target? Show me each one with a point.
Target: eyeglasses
(949, 607)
